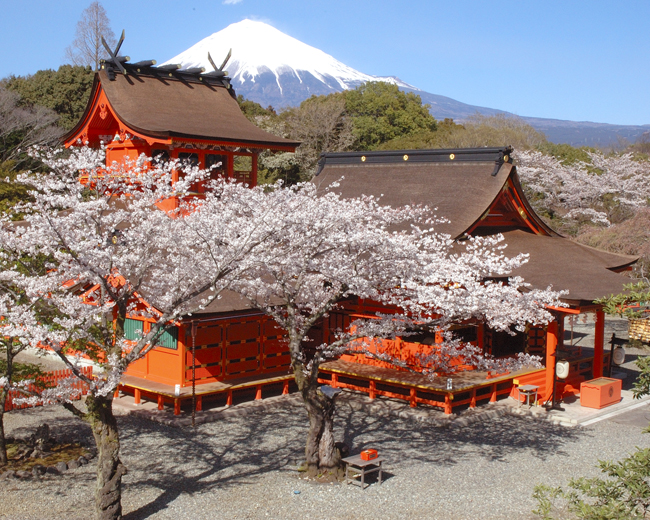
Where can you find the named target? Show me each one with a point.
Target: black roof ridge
(498, 155)
(154, 71)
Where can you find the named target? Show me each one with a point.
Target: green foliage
(567, 154)
(642, 384)
(478, 131)
(66, 91)
(21, 371)
(629, 304)
(11, 192)
(381, 112)
(253, 110)
(498, 130)
(624, 494)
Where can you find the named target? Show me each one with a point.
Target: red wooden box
(369, 454)
(600, 392)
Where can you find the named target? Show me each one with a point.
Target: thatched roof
(163, 107)
(462, 185)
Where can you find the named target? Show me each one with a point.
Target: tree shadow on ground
(493, 439)
(221, 455)
(63, 425)
(236, 450)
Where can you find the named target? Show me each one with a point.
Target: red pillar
(254, 171)
(551, 349)
(599, 343)
(448, 406)
(371, 390)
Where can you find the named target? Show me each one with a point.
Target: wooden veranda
(468, 388)
(273, 384)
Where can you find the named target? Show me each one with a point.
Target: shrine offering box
(369, 454)
(600, 392)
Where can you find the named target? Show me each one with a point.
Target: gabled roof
(167, 106)
(466, 186)
(461, 184)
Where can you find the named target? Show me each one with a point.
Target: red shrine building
(165, 113)
(188, 115)
(479, 193)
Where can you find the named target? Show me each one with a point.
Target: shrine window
(160, 157)
(468, 334)
(217, 164)
(168, 339)
(132, 329)
(504, 344)
(188, 159)
(243, 168)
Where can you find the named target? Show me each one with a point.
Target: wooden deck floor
(153, 387)
(468, 387)
(463, 381)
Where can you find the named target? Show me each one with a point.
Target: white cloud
(231, 2)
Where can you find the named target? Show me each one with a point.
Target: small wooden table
(527, 391)
(355, 466)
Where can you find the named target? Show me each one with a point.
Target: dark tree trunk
(322, 456)
(3, 442)
(108, 491)
(4, 394)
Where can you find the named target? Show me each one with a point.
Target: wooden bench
(356, 467)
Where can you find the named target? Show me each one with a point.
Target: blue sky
(577, 60)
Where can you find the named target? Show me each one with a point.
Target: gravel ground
(242, 467)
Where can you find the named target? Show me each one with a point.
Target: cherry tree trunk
(321, 453)
(3, 442)
(4, 395)
(322, 456)
(108, 491)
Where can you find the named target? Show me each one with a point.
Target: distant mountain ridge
(272, 68)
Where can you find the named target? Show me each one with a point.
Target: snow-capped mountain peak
(262, 55)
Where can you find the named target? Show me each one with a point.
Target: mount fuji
(272, 68)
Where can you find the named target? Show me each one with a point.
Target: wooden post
(599, 342)
(258, 393)
(229, 398)
(551, 348)
(448, 407)
(199, 403)
(136, 396)
(161, 404)
(372, 389)
(493, 395)
(412, 399)
(177, 406)
(285, 387)
(335, 380)
(472, 401)
(254, 171)
(480, 337)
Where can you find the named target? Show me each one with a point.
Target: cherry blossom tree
(297, 253)
(331, 249)
(584, 191)
(14, 308)
(110, 252)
